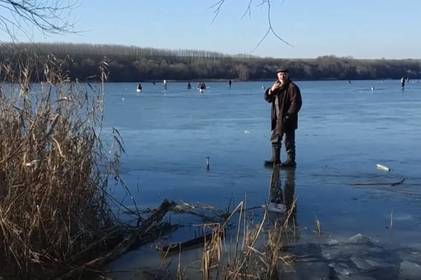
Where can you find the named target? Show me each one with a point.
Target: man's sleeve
(295, 99)
(268, 98)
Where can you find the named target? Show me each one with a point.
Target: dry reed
(52, 188)
(258, 248)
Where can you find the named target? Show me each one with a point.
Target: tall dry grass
(258, 251)
(52, 188)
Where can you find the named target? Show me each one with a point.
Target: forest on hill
(130, 64)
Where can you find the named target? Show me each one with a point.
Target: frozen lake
(345, 129)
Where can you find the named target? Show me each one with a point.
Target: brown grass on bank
(52, 190)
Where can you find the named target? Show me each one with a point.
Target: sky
(357, 28)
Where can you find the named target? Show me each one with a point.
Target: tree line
(130, 64)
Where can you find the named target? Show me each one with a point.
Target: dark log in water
(134, 237)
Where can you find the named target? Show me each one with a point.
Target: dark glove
(286, 118)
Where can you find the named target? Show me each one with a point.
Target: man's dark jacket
(289, 106)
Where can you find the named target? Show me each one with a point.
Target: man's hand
(276, 85)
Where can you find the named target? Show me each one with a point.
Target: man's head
(282, 75)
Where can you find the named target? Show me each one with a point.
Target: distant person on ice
(203, 86)
(285, 98)
(403, 82)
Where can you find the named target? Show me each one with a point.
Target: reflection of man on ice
(282, 200)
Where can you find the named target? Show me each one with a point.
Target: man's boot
(276, 157)
(290, 162)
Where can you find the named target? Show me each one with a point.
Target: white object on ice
(382, 167)
(275, 207)
(207, 162)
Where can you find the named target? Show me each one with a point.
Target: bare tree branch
(248, 10)
(50, 16)
(217, 8)
(270, 27)
(270, 30)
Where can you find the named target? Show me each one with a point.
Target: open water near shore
(345, 129)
